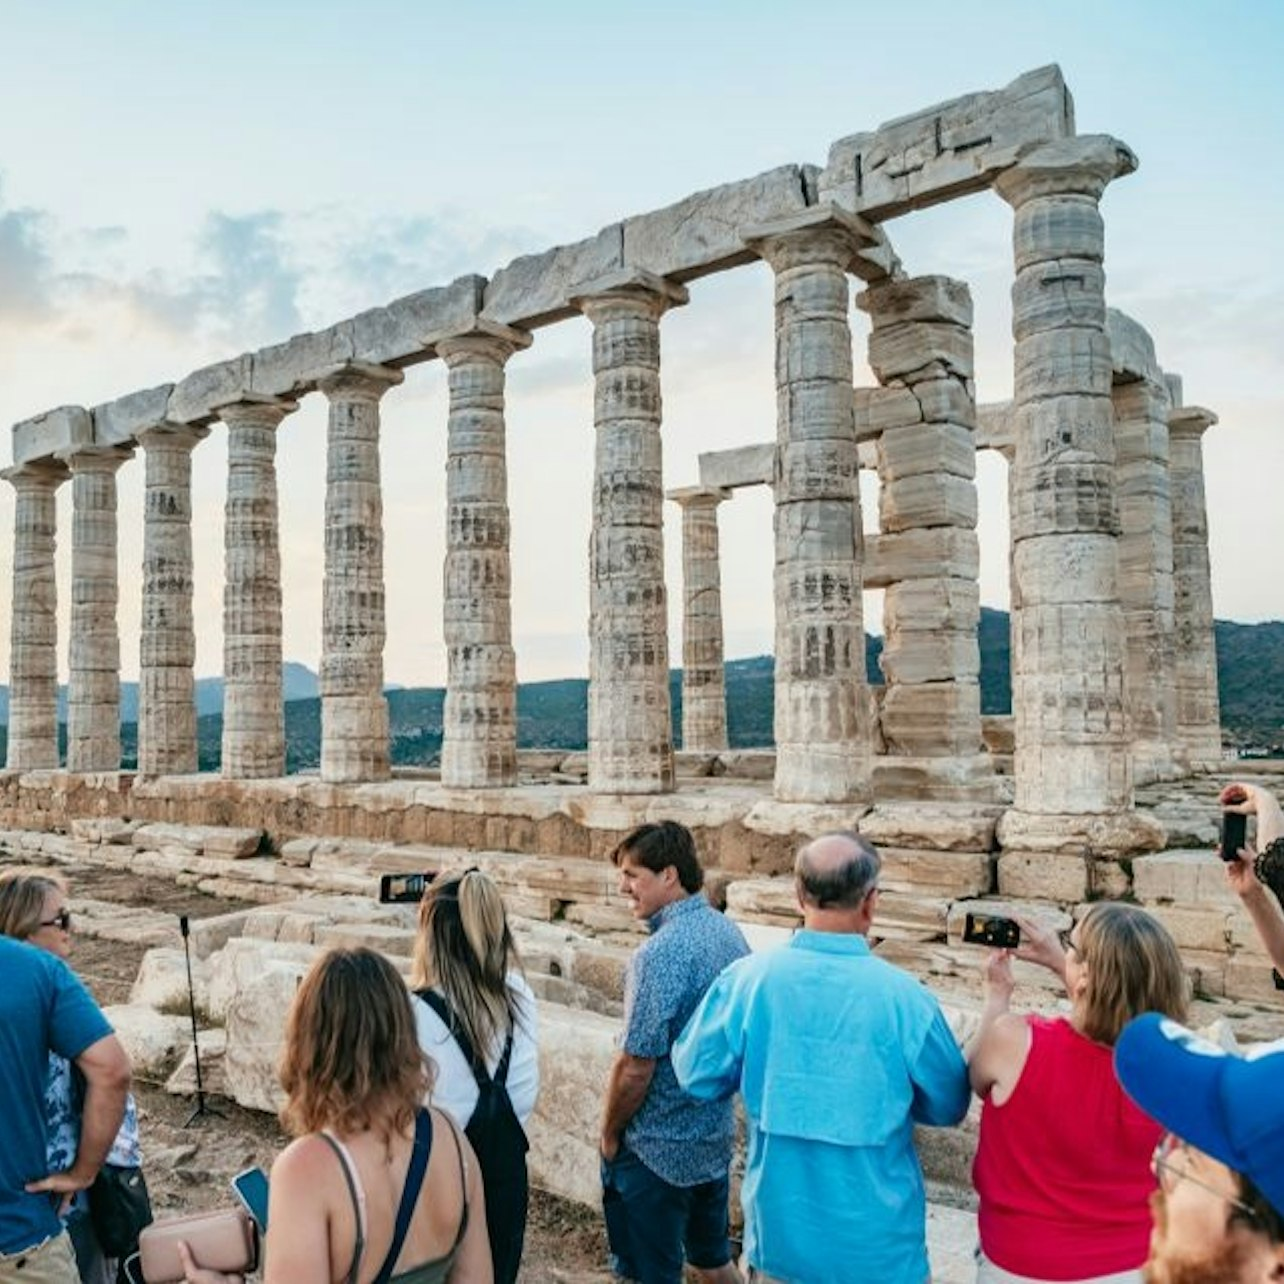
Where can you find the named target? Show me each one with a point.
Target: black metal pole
(201, 1107)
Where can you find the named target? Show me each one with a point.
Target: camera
(403, 889)
(991, 929)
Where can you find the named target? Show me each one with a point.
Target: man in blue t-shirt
(43, 1009)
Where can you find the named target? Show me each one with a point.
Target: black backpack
(499, 1141)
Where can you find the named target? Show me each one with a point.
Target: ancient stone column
(167, 637)
(920, 349)
(253, 712)
(93, 693)
(630, 728)
(479, 722)
(1146, 574)
(704, 688)
(33, 649)
(354, 710)
(1067, 684)
(1198, 706)
(821, 711)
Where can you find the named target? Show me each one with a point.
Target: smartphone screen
(403, 889)
(1234, 834)
(251, 1188)
(991, 929)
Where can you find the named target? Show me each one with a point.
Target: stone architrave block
(537, 289)
(405, 331)
(701, 233)
(925, 298)
(925, 500)
(880, 409)
(931, 604)
(293, 367)
(743, 466)
(118, 423)
(951, 551)
(1051, 876)
(1132, 350)
(896, 352)
(47, 434)
(194, 399)
(935, 448)
(948, 150)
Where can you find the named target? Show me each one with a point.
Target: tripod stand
(202, 1107)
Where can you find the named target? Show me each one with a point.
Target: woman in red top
(1063, 1164)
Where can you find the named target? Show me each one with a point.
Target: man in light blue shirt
(837, 1055)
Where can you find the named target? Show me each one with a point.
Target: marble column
(630, 725)
(354, 709)
(704, 688)
(1070, 725)
(33, 648)
(1198, 706)
(93, 692)
(921, 342)
(479, 721)
(1146, 575)
(253, 712)
(822, 715)
(167, 636)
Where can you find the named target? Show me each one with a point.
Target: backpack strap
(501, 1070)
(419, 1156)
(438, 1003)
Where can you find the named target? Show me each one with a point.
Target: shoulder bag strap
(419, 1156)
(360, 1245)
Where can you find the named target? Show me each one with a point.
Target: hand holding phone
(991, 929)
(403, 889)
(1234, 834)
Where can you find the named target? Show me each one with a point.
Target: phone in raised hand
(1234, 834)
(251, 1188)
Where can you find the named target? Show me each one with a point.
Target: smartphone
(991, 929)
(132, 1267)
(251, 1188)
(1234, 834)
(403, 889)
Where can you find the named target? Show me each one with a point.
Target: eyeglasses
(1067, 941)
(1168, 1174)
(61, 920)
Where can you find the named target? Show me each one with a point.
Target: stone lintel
(1132, 350)
(407, 330)
(948, 150)
(195, 397)
(996, 427)
(629, 281)
(118, 423)
(743, 466)
(698, 496)
(535, 289)
(295, 367)
(46, 434)
(1083, 165)
(1190, 421)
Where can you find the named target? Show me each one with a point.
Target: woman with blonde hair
(33, 908)
(375, 1186)
(476, 1020)
(1063, 1165)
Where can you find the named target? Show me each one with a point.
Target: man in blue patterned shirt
(665, 1156)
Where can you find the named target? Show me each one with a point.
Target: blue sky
(179, 183)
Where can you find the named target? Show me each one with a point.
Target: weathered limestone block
(1181, 877)
(743, 466)
(153, 1041)
(253, 713)
(407, 329)
(538, 289)
(119, 422)
(940, 717)
(182, 1083)
(879, 409)
(937, 448)
(167, 638)
(937, 349)
(629, 724)
(40, 438)
(196, 398)
(932, 604)
(924, 656)
(1132, 351)
(215, 840)
(931, 826)
(256, 1019)
(297, 366)
(893, 557)
(920, 299)
(33, 629)
(162, 981)
(1055, 876)
(1057, 293)
(1203, 928)
(926, 500)
(1123, 834)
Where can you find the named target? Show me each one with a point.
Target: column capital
(95, 459)
(1081, 166)
(698, 496)
(358, 380)
(256, 409)
(820, 234)
(1190, 421)
(168, 433)
(38, 474)
(628, 290)
(483, 341)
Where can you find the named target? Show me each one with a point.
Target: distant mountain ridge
(554, 714)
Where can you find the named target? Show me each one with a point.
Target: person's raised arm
(1253, 800)
(1262, 907)
(997, 1051)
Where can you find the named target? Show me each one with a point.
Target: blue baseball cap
(1229, 1106)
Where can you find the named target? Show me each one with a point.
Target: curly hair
(352, 1059)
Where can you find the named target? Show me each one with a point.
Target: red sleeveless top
(1063, 1166)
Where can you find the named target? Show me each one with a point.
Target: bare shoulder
(303, 1161)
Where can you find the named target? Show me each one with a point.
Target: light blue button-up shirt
(837, 1055)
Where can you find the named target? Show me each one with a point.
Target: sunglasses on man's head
(62, 920)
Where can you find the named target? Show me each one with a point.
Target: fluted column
(93, 692)
(921, 341)
(167, 636)
(479, 721)
(354, 709)
(1198, 706)
(821, 709)
(704, 688)
(33, 648)
(1146, 574)
(1067, 685)
(630, 724)
(253, 712)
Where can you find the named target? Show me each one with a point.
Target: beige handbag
(225, 1240)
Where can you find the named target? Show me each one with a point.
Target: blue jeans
(652, 1226)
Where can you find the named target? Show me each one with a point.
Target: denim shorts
(651, 1226)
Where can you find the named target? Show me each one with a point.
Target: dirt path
(188, 1167)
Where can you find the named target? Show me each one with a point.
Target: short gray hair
(842, 886)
